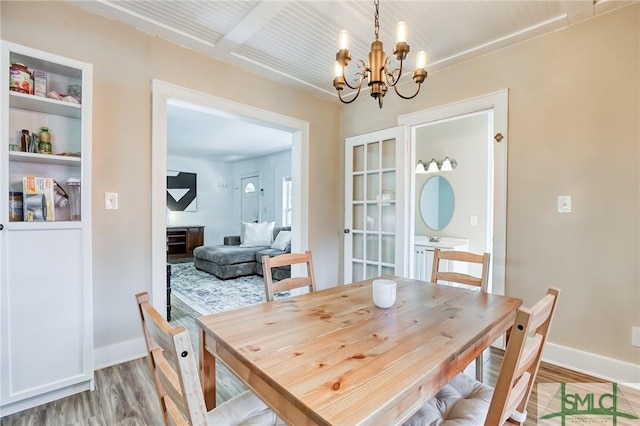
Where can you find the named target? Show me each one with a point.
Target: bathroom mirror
(437, 202)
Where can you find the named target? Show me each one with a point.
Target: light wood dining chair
(450, 276)
(461, 256)
(177, 381)
(465, 401)
(271, 287)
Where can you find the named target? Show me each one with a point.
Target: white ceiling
(294, 42)
(197, 132)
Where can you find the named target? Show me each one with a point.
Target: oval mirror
(437, 202)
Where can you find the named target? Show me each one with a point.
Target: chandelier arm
(407, 97)
(391, 79)
(352, 99)
(361, 74)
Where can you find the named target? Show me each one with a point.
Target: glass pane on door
(372, 219)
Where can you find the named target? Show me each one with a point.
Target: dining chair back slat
(522, 359)
(457, 277)
(174, 368)
(272, 287)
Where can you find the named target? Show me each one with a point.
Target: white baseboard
(118, 353)
(45, 397)
(592, 364)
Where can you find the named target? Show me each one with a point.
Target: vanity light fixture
(446, 165)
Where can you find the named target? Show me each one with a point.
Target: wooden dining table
(332, 357)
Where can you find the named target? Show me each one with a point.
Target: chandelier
(380, 79)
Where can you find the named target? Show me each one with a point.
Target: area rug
(207, 294)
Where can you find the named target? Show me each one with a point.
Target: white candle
(384, 293)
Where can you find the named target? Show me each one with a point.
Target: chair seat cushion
(462, 402)
(244, 409)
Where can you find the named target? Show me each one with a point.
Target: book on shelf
(38, 199)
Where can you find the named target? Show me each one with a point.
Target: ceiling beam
(578, 10)
(260, 15)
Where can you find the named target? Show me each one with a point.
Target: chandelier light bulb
(343, 39)
(421, 60)
(401, 32)
(337, 70)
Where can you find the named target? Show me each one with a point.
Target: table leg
(207, 374)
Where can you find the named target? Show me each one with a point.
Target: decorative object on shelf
(34, 146)
(20, 78)
(60, 196)
(181, 191)
(40, 83)
(38, 199)
(15, 207)
(75, 203)
(44, 147)
(55, 95)
(380, 79)
(25, 141)
(446, 165)
(75, 91)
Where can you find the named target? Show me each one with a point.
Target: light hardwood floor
(125, 393)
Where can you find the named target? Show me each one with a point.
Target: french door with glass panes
(374, 236)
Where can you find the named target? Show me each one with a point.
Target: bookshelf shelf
(28, 157)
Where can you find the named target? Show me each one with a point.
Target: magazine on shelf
(38, 199)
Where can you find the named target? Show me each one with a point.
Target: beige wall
(574, 102)
(125, 60)
(573, 130)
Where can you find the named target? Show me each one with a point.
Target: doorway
(492, 109)
(162, 94)
(249, 199)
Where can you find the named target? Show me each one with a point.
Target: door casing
(498, 103)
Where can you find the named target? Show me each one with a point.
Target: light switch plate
(473, 220)
(564, 204)
(111, 201)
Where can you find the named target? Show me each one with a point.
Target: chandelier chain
(377, 15)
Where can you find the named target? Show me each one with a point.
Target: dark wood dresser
(181, 240)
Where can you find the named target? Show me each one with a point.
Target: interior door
(250, 198)
(374, 205)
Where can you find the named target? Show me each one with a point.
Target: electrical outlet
(635, 336)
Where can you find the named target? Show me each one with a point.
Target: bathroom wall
(467, 141)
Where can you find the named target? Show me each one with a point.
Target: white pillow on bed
(257, 234)
(283, 239)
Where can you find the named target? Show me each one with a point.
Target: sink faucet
(434, 239)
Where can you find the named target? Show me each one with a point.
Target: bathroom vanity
(423, 248)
